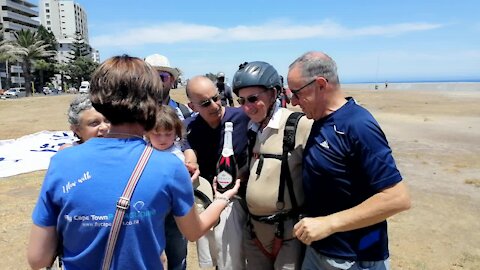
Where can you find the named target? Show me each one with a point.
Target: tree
(79, 48)
(80, 70)
(6, 56)
(45, 67)
(28, 47)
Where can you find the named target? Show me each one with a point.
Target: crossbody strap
(123, 204)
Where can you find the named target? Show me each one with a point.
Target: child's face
(162, 139)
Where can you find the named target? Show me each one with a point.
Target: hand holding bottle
(229, 193)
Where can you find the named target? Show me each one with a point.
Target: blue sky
(370, 40)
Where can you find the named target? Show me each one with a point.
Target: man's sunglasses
(250, 99)
(296, 91)
(165, 76)
(209, 101)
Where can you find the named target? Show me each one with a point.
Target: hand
(308, 230)
(228, 193)
(193, 170)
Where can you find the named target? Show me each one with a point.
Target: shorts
(315, 261)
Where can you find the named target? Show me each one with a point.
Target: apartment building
(15, 15)
(64, 18)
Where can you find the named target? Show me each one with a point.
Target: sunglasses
(296, 91)
(209, 101)
(165, 76)
(250, 99)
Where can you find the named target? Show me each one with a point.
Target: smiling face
(91, 124)
(203, 96)
(256, 102)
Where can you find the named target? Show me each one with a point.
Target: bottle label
(224, 179)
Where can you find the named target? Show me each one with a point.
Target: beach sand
(435, 137)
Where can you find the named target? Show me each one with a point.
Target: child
(167, 136)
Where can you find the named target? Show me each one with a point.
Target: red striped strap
(122, 205)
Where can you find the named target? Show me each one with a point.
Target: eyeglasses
(296, 91)
(250, 99)
(165, 76)
(205, 103)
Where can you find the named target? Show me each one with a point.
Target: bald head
(199, 86)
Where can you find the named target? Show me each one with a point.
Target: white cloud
(278, 30)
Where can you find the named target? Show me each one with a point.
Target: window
(47, 10)
(48, 16)
(47, 4)
(49, 28)
(48, 22)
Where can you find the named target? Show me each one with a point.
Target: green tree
(80, 70)
(28, 47)
(6, 57)
(79, 48)
(45, 67)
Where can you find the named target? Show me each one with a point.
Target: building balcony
(25, 8)
(20, 19)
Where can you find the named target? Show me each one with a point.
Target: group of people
(314, 190)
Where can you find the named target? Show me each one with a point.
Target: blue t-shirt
(81, 188)
(207, 142)
(347, 160)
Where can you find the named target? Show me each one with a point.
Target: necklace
(127, 135)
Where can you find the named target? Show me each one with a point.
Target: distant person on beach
(85, 121)
(351, 182)
(167, 136)
(386, 85)
(274, 189)
(223, 246)
(169, 76)
(82, 187)
(224, 89)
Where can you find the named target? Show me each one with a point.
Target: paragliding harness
(278, 218)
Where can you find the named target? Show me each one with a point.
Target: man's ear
(190, 105)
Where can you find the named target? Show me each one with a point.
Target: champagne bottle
(227, 165)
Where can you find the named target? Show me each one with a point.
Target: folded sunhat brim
(203, 191)
(170, 70)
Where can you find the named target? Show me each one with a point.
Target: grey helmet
(256, 74)
(220, 75)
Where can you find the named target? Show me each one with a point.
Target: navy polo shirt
(347, 160)
(207, 142)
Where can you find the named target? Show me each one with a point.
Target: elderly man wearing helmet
(274, 191)
(169, 77)
(224, 89)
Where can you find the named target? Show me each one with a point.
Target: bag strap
(184, 109)
(285, 176)
(123, 204)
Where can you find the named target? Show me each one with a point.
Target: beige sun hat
(161, 63)
(203, 192)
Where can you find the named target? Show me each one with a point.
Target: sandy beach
(435, 137)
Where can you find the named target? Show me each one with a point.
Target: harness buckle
(123, 203)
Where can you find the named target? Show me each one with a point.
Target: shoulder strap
(288, 145)
(123, 204)
(185, 111)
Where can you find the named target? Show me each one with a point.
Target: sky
(371, 41)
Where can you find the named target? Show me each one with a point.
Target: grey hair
(317, 64)
(78, 105)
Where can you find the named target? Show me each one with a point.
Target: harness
(278, 218)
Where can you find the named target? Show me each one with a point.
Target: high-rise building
(16, 15)
(65, 19)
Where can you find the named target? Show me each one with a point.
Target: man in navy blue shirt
(350, 179)
(223, 247)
